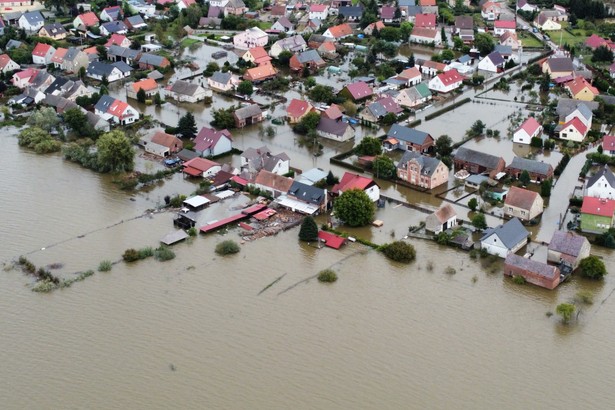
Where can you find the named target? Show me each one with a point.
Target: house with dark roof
(54, 31)
(283, 25)
(350, 13)
(408, 139)
(597, 214)
(441, 220)
(117, 111)
(294, 44)
(149, 61)
(73, 60)
(476, 162)
(463, 23)
(493, 63)
(504, 239)
(121, 53)
(113, 27)
(309, 59)
(299, 195)
(533, 271)
(353, 181)
(135, 23)
(185, 91)
(31, 21)
(336, 130)
(528, 130)
(601, 184)
(523, 204)
(222, 82)
(248, 115)
(377, 110)
(422, 171)
(111, 13)
(568, 247)
(98, 70)
(538, 170)
(255, 159)
(210, 142)
(558, 67)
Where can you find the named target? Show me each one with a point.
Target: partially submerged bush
(585, 296)
(105, 266)
(327, 276)
(450, 270)
(399, 251)
(146, 252)
(518, 279)
(164, 254)
(227, 247)
(131, 255)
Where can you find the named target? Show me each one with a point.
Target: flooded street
(193, 333)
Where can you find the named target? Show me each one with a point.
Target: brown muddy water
(194, 333)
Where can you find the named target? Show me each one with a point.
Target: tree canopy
(39, 140)
(592, 267)
(115, 152)
(369, 146)
(44, 118)
(484, 43)
(354, 208)
(245, 88)
(444, 145)
(309, 230)
(399, 251)
(187, 126)
(384, 167)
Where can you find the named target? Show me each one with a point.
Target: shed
(174, 237)
(331, 240)
(196, 203)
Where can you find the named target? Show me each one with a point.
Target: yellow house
(558, 67)
(580, 89)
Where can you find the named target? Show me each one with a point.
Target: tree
(104, 82)
(141, 96)
(114, 152)
(187, 126)
(565, 310)
(592, 267)
(384, 167)
(245, 88)
(78, 122)
(45, 118)
(447, 55)
(602, 53)
(223, 118)
(484, 43)
(284, 58)
(39, 140)
(443, 30)
(354, 208)
(390, 34)
(308, 123)
(545, 188)
(331, 179)
(406, 29)
(309, 230)
(473, 204)
(350, 108)
(101, 50)
(476, 130)
(211, 68)
(524, 178)
(322, 93)
(478, 221)
(399, 251)
(444, 145)
(370, 146)
(157, 99)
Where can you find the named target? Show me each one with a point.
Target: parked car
(171, 162)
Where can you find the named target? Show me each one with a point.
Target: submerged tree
(115, 152)
(354, 208)
(309, 230)
(565, 310)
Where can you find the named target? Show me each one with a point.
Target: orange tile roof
(578, 84)
(340, 30)
(147, 84)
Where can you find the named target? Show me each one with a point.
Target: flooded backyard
(194, 333)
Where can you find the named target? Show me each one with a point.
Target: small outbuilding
(568, 247)
(534, 272)
(441, 220)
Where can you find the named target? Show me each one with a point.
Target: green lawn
(566, 37)
(187, 42)
(528, 40)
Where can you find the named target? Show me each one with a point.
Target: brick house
(534, 272)
(408, 139)
(423, 171)
(539, 171)
(249, 115)
(476, 162)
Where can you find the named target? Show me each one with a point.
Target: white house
(223, 82)
(493, 63)
(353, 181)
(141, 7)
(446, 82)
(504, 26)
(201, 167)
(42, 54)
(426, 36)
(117, 111)
(251, 37)
(318, 11)
(31, 21)
(573, 130)
(294, 44)
(98, 70)
(601, 184)
(210, 142)
(184, 4)
(185, 91)
(504, 239)
(441, 220)
(583, 113)
(528, 130)
(7, 64)
(334, 130)
(113, 27)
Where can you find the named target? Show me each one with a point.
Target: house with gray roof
(185, 91)
(504, 239)
(601, 184)
(248, 115)
(31, 21)
(312, 176)
(422, 171)
(493, 63)
(255, 159)
(98, 70)
(533, 271)
(334, 129)
(55, 31)
(118, 53)
(294, 44)
(308, 194)
(538, 170)
(74, 59)
(148, 61)
(476, 162)
(351, 13)
(135, 22)
(408, 139)
(568, 247)
(223, 82)
(113, 27)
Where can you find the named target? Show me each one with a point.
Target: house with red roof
(327, 50)
(580, 89)
(118, 40)
(412, 75)
(318, 11)
(85, 21)
(446, 82)
(257, 56)
(22, 79)
(608, 144)
(510, 39)
(491, 11)
(331, 240)
(528, 130)
(201, 167)
(274, 184)
(427, 3)
(373, 27)
(426, 36)
(425, 21)
(148, 85)
(338, 32)
(7, 64)
(116, 111)
(573, 130)
(161, 144)
(504, 26)
(43, 53)
(297, 109)
(523, 204)
(430, 68)
(353, 181)
(357, 91)
(211, 142)
(594, 41)
(58, 57)
(597, 214)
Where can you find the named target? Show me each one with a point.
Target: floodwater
(194, 333)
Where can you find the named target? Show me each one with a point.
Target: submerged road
(560, 195)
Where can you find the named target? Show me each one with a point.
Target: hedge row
(447, 109)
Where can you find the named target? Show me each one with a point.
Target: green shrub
(585, 296)
(227, 247)
(44, 286)
(450, 270)
(474, 254)
(146, 252)
(105, 266)
(518, 279)
(130, 255)
(327, 276)
(399, 251)
(164, 254)
(192, 231)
